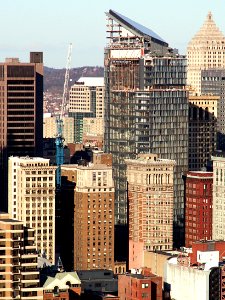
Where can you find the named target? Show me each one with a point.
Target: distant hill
(54, 78)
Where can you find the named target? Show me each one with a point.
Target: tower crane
(59, 141)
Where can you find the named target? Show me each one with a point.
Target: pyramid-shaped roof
(135, 27)
(208, 32)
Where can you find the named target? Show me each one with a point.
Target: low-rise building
(63, 286)
(139, 285)
(98, 281)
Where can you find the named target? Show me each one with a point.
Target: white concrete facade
(186, 282)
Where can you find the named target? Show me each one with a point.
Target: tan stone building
(50, 129)
(32, 199)
(81, 96)
(86, 100)
(93, 126)
(150, 201)
(93, 215)
(19, 276)
(206, 50)
(202, 130)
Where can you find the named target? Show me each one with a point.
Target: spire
(209, 16)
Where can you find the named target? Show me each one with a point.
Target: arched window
(68, 283)
(56, 290)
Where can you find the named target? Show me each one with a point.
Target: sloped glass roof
(136, 26)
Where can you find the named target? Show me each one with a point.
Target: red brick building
(207, 246)
(143, 285)
(198, 206)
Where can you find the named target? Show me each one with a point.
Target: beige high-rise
(86, 101)
(206, 50)
(150, 201)
(32, 199)
(19, 275)
(87, 95)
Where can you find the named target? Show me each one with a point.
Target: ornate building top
(208, 32)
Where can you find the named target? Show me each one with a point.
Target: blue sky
(49, 26)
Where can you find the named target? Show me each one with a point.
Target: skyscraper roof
(135, 27)
(209, 31)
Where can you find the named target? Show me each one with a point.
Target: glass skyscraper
(146, 107)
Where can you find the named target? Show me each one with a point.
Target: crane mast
(59, 141)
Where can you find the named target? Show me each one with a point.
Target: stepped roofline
(208, 31)
(136, 28)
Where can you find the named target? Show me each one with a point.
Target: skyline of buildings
(157, 131)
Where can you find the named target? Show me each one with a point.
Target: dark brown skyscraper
(21, 111)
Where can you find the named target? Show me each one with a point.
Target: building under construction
(146, 106)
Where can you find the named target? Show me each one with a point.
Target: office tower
(205, 51)
(213, 83)
(202, 130)
(198, 206)
(32, 199)
(146, 107)
(93, 215)
(218, 219)
(21, 122)
(19, 272)
(150, 202)
(86, 100)
(50, 129)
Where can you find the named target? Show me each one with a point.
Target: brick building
(88, 203)
(141, 285)
(207, 246)
(198, 206)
